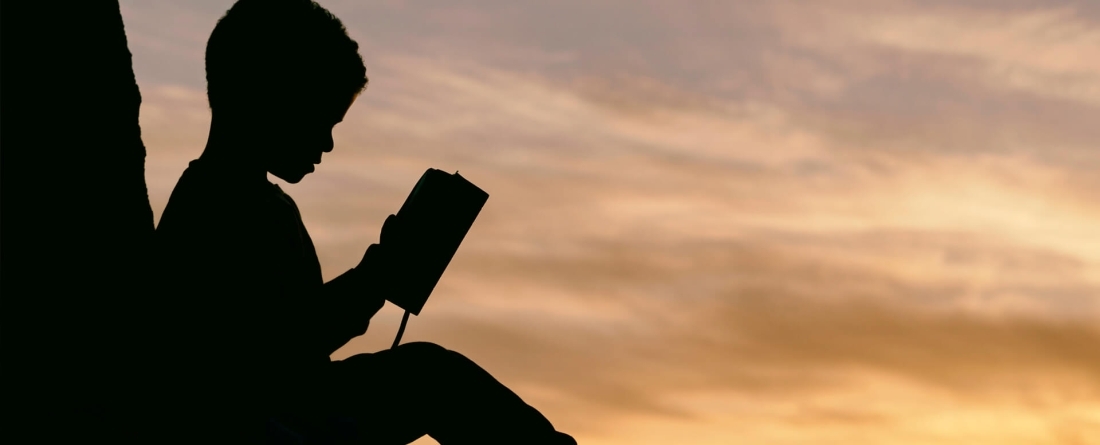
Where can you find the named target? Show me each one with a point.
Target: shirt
(243, 301)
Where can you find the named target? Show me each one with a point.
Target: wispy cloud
(763, 222)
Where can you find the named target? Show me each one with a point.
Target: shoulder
(208, 207)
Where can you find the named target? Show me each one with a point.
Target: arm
(354, 297)
(349, 301)
(289, 313)
(316, 321)
(300, 318)
(323, 320)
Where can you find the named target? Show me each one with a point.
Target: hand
(365, 308)
(393, 231)
(379, 256)
(381, 263)
(372, 260)
(371, 273)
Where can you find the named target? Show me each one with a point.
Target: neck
(231, 150)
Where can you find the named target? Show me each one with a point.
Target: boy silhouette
(244, 310)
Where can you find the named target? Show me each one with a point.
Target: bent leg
(401, 394)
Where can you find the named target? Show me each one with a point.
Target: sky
(723, 222)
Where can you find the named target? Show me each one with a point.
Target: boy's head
(282, 73)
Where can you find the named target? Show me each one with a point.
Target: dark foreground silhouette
(249, 320)
(228, 339)
(76, 222)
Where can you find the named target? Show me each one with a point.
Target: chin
(293, 174)
(290, 177)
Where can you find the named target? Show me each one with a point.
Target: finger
(369, 255)
(378, 254)
(387, 228)
(397, 227)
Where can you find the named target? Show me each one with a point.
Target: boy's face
(300, 132)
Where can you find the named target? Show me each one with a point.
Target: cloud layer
(717, 222)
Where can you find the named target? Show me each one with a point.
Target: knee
(421, 347)
(430, 355)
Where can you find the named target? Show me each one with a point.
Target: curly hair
(264, 48)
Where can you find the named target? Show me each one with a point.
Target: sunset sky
(723, 222)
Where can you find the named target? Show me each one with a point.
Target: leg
(415, 389)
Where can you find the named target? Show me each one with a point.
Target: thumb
(387, 229)
(370, 256)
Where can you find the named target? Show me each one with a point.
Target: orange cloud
(855, 228)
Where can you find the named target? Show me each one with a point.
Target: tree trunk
(76, 221)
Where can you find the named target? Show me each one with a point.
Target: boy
(247, 316)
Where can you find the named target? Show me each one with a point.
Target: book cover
(437, 215)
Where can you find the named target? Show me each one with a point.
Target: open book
(436, 216)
